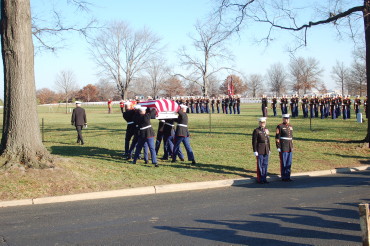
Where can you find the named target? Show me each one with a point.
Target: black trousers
(79, 134)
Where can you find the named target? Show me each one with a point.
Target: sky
(174, 21)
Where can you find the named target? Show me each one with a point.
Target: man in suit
(79, 120)
(261, 149)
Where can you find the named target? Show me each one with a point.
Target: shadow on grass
(220, 169)
(87, 152)
(366, 161)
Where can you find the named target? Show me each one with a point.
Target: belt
(129, 123)
(145, 127)
(182, 125)
(286, 138)
(168, 124)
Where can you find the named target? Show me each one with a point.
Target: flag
(162, 105)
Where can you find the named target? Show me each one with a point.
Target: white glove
(256, 153)
(85, 125)
(279, 150)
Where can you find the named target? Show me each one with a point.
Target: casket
(165, 109)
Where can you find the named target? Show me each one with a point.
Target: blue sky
(173, 21)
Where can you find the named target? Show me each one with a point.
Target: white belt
(182, 125)
(145, 127)
(129, 123)
(286, 138)
(168, 124)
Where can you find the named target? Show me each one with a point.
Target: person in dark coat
(146, 134)
(261, 149)
(182, 136)
(79, 120)
(168, 140)
(128, 115)
(284, 145)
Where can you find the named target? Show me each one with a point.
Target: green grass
(223, 151)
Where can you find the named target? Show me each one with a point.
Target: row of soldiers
(315, 107)
(226, 104)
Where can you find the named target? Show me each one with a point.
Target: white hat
(262, 119)
(128, 103)
(183, 106)
(142, 108)
(286, 116)
(137, 106)
(78, 102)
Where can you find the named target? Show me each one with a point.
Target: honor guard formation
(316, 106)
(173, 125)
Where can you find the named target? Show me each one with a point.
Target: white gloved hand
(256, 153)
(279, 150)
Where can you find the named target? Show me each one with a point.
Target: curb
(160, 189)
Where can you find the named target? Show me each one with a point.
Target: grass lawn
(222, 152)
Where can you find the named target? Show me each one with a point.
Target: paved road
(311, 211)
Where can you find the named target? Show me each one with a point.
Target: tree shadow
(215, 168)
(87, 152)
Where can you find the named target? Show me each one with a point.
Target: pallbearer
(261, 149)
(284, 145)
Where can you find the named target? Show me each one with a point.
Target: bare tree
(283, 16)
(357, 72)
(173, 87)
(210, 45)
(121, 53)
(193, 89)
(305, 74)
(65, 83)
(340, 75)
(255, 84)
(106, 89)
(157, 72)
(277, 79)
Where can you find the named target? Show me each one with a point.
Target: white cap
(142, 108)
(286, 116)
(262, 119)
(78, 102)
(183, 106)
(137, 106)
(128, 103)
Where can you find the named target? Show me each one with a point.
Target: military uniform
(128, 115)
(146, 135)
(365, 108)
(273, 105)
(284, 144)
(261, 145)
(182, 136)
(264, 106)
(159, 136)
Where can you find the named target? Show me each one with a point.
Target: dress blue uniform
(182, 136)
(146, 135)
(261, 148)
(284, 144)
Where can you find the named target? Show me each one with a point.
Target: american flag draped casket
(166, 109)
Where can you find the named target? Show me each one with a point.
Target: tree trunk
(21, 139)
(366, 16)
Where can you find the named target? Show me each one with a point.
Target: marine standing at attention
(284, 145)
(261, 149)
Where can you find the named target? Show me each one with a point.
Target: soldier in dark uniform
(128, 115)
(261, 149)
(226, 104)
(357, 105)
(218, 101)
(223, 104)
(168, 139)
(182, 136)
(349, 102)
(79, 121)
(213, 100)
(333, 112)
(322, 107)
(264, 106)
(344, 108)
(312, 107)
(159, 136)
(305, 106)
(146, 134)
(231, 102)
(284, 145)
(234, 104)
(316, 100)
(238, 104)
(273, 105)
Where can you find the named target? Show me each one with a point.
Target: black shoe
(82, 143)
(165, 159)
(173, 161)
(193, 162)
(128, 157)
(146, 162)
(289, 180)
(156, 165)
(133, 162)
(182, 159)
